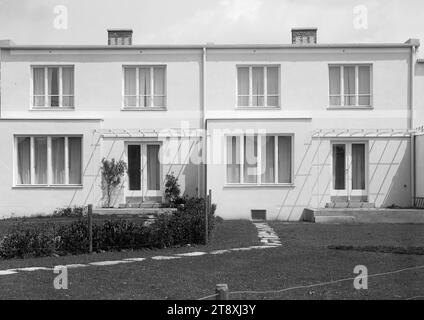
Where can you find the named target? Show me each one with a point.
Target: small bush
(172, 190)
(185, 226)
(71, 212)
(26, 241)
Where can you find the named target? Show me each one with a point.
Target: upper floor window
(145, 86)
(52, 86)
(350, 85)
(48, 160)
(258, 86)
(259, 159)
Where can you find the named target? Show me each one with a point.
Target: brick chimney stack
(304, 36)
(119, 37)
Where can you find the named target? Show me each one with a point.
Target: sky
(217, 21)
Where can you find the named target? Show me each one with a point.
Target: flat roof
(207, 46)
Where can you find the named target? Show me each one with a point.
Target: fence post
(90, 228)
(206, 218)
(221, 291)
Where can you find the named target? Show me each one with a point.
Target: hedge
(185, 226)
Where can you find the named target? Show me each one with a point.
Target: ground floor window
(259, 159)
(48, 160)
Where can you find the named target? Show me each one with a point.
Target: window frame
(46, 89)
(49, 183)
(342, 95)
(265, 81)
(137, 68)
(259, 172)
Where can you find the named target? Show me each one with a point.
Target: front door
(144, 171)
(350, 170)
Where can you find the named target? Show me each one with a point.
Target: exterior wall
(99, 84)
(419, 95)
(388, 173)
(304, 85)
(178, 156)
(419, 165)
(18, 201)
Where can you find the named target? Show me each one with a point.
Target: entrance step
(350, 204)
(140, 205)
(365, 215)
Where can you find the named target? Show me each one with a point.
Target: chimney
(304, 36)
(119, 37)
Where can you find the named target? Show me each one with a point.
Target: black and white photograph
(212, 155)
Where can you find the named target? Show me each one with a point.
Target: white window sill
(45, 186)
(144, 109)
(51, 108)
(350, 108)
(257, 185)
(257, 108)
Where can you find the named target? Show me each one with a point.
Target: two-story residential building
(268, 127)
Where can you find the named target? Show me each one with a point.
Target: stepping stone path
(266, 235)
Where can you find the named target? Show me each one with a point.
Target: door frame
(143, 192)
(349, 192)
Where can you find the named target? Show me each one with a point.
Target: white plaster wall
(388, 178)
(419, 165)
(18, 201)
(98, 86)
(304, 85)
(177, 157)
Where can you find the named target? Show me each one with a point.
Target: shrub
(28, 241)
(185, 226)
(172, 190)
(76, 211)
(112, 172)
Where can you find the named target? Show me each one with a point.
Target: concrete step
(350, 204)
(134, 211)
(367, 215)
(335, 219)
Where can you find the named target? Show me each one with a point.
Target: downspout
(204, 124)
(411, 121)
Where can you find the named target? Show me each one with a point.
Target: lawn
(303, 259)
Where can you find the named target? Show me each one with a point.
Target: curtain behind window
(358, 166)
(68, 87)
(364, 79)
(349, 86)
(250, 159)
(233, 159)
(53, 83)
(258, 86)
(40, 160)
(130, 92)
(335, 88)
(159, 86)
(243, 86)
(284, 159)
(153, 167)
(24, 161)
(58, 160)
(272, 86)
(74, 156)
(39, 87)
(144, 83)
(267, 159)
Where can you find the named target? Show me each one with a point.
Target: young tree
(112, 172)
(172, 189)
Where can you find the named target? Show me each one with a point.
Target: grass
(303, 259)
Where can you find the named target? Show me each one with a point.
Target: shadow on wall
(389, 176)
(179, 164)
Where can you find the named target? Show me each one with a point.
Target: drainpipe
(203, 125)
(414, 46)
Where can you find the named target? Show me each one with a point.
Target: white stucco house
(278, 128)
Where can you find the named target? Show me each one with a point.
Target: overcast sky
(202, 21)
